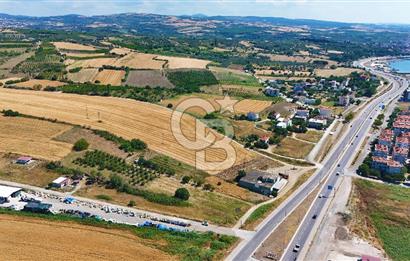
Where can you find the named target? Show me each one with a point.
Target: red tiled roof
(383, 148)
(401, 139)
(399, 150)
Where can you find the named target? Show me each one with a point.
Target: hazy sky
(376, 11)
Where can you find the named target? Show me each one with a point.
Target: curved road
(340, 155)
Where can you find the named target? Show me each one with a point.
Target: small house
(252, 116)
(317, 123)
(60, 182)
(24, 160)
(272, 92)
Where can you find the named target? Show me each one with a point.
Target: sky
(364, 11)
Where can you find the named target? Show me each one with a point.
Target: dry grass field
(112, 77)
(140, 61)
(310, 135)
(340, 71)
(33, 137)
(123, 117)
(73, 46)
(290, 147)
(183, 63)
(47, 240)
(82, 55)
(151, 78)
(245, 106)
(120, 51)
(85, 75)
(43, 83)
(90, 63)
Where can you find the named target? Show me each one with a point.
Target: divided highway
(336, 160)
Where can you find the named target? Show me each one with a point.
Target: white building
(7, 192)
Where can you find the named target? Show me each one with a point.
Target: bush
(182, 193)
(81, 145)
(132, 203)
(104, 197)
(10, 113)
(241, 174)
(185, 179)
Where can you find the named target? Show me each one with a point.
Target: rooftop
(59, 180)
(6, 191)
(399, 150)
(380, 147)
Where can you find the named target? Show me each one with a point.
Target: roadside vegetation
(383, 211)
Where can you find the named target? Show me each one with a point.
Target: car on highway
(337, 173)
(321, 196)
(314, 216)
(296, 248)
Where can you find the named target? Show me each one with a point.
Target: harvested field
(90, 63)
(73, 46)
(183, 63)
(245, 128)
(340, 71)
(33, 137)
(85, 75)
(151, 78)
(82, 55)
(11, 63)
(310, 135)
(140, 61)
(245, 106)
(231, 76)
(43, 83)
(290, 147)
(69, 241)
(112, 77)
(123, 117)
(284, 108)
(120, 51)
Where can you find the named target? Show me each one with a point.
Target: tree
(81, 145)
(349, 117)
(132, 203)
(182, 193)
(185, 179)
(241, 174)
(363, 170)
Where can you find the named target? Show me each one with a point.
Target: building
(272, 92)
(400, 154)
(252, 116)
(24, 160)
(402, 142)
(386, 165)
(344, 100)
(60, 182)
(386, 138)
(7, 192)
(284, 123)
(381, 151)
(326, 113)
(262, 182)
(317, 123)
(406, 95)
(299, 89)
(265, 138)
(302, 114)
(369, 258)
(37, 207)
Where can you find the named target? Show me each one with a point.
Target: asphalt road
(353, 141)
(359, 126)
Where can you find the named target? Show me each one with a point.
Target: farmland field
(341, 71)
(235, 77)
(84, 242)
(151, 78)
(81, 55)
(90, 63)
(43, 83)
(112, 77)
(73, 46)
(245, 106)
(183, 63)
(123, 117)
(85, 75)
(140, 61)
(290, 147)
(33, 137)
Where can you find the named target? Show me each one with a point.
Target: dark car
(314, 216)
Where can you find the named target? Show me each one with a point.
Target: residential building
(272, 92)
(406, 95)
(24, 160)
(381, 151)
(326, 113)
(252, 116)
(386, 138)
(400, 154)
(265, 138)
(262, 182)
(402, 142)
(344, 100)
(386, 165)
(302, 114)
(284, 124)
(60, 182)
(317, 122)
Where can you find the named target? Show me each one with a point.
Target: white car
(296, 248)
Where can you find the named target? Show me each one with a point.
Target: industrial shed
(7, 192)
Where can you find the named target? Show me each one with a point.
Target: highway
(353, 141)
(341, 155)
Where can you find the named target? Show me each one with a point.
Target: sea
(401, 66)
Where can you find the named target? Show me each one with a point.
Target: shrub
(132, 203)
(10, 113)
(104, 197)
(182, 193)
(185, 179)
(81, 145)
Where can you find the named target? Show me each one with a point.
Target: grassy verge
(186, 245)
(263, 211)
(385, 212)
(295, 162)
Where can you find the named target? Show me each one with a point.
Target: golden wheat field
(51, 240)
(123, 117)
(81, 55)
(73, 46)
(42, 83)
(182, 63)
(140, 61)
(85, 75)
(33, 137)
(112, 77)
(245, 106)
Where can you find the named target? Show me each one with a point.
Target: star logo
(227, 104)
